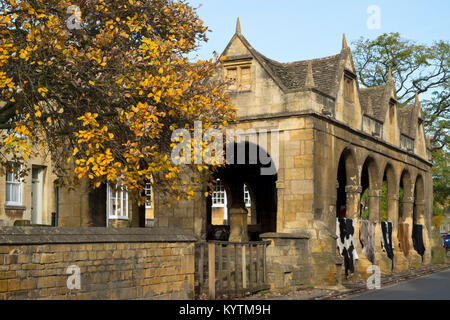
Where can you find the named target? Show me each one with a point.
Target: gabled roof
(406, 121)
(293, 75)
(379, 103)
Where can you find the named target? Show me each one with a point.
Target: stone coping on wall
(294, 235)
(49, 235)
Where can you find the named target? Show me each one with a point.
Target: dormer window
(239, 75)
(349, 92)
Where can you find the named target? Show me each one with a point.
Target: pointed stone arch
(371, 185)
(419, 201)
(246, 168)
(406, 194)
(347, 186)
(389, 177)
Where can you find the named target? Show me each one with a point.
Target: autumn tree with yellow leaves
(101, 85)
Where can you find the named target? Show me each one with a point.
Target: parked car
(446, 241)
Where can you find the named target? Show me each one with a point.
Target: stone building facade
(328, 149)
(335, 142)
(31, 199)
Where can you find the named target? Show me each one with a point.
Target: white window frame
(122, 194)
(148, 196)
(219, 189)
(14, 182)
(247, 198)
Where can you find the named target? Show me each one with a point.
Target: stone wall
(288, 261)
(129, 263)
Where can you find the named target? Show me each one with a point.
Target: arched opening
(419, 202)
(347, 204)
(418, 216)
(242, 184)
(404, 212)
(346, 176)
(404, 196)
(219, 210)
(388, 212)
(389, 196)
(369, 205)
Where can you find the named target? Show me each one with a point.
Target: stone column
(414, 259)
(237, 213)
(375, 217)
(381, 258)
(420, 214)
(352, 207)
(353, 198)
(280, 205)
(392, 211)
(400, 261)
(408, 205)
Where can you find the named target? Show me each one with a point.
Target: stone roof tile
(292, 75)
(377, 97)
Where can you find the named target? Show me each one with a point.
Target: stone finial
(416, 99)
(389, 77)
(344, 42)
(238, 26)
(309, 81)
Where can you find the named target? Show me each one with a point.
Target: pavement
(428, 282)
(435, 286)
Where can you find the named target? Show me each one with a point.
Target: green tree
(420, 68)
(441, 180)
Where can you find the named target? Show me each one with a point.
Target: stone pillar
(420, 214)
(381, 258)
(280, 205)
(375, 217)
(400, 261)
(352, 205)
(392, 212)
(237, 213)
(353, 196)
(414, 259)
(374, 205)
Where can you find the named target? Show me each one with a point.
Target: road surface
(435, 286)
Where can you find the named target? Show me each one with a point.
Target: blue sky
(290, 30)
